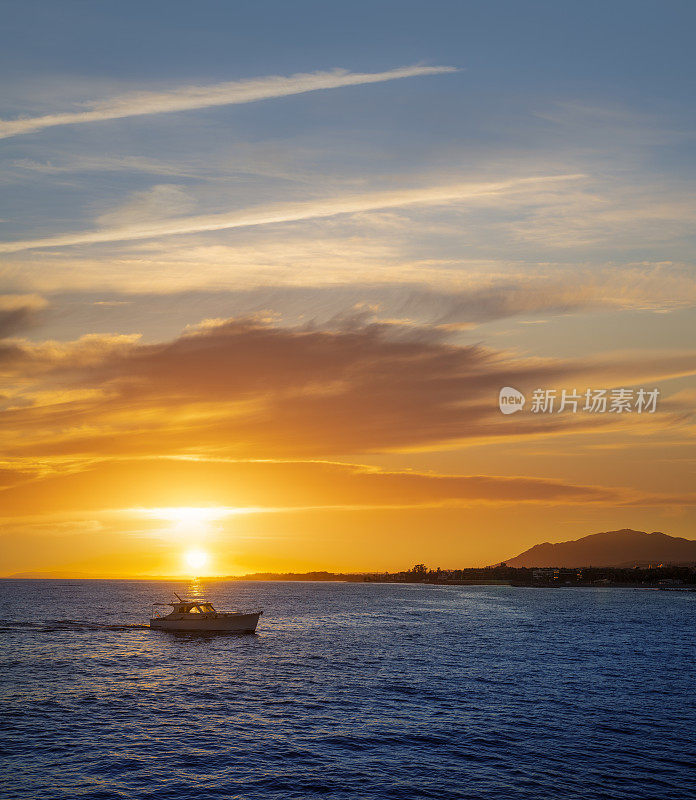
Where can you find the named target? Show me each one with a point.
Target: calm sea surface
(349, 691)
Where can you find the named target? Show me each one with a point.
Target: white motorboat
(200, 615)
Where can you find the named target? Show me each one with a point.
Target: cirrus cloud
(276, 213)
(184, 98)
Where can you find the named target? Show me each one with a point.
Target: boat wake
(54, 625)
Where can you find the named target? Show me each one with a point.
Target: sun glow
(196, 559)
(189, 515)
(189, 525)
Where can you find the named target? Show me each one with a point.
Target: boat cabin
(184, 608)
(192, 608)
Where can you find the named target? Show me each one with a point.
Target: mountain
(624, 548)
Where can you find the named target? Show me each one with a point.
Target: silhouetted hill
(624, 548)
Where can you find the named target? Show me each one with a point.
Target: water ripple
(348, 692)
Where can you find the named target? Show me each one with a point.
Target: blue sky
(627, 47)
(594, 95)
(520, 66)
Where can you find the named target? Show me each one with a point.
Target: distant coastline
(664, 576)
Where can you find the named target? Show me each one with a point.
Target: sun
(196, 559)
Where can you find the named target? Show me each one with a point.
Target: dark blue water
(349, 691)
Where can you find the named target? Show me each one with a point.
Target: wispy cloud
(184, 98)
(18, 312)
(159, 202)
(243, 487)
(290, 212)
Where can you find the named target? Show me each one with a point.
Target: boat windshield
(207, 608)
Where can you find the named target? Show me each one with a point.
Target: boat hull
(232, 623)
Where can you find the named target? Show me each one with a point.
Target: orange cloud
(279, 485)
(284, 486)
(247, 388)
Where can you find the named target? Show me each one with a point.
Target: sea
(348, 691)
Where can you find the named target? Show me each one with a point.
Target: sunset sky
(266, 266)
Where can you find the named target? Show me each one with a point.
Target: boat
(200, 615)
